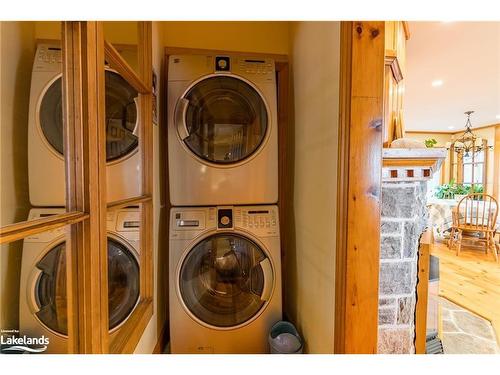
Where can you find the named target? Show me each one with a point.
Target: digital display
(255, 61)
(131, 224)
(258, 212)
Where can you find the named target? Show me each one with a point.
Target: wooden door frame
(359, 186)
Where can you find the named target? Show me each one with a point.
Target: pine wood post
(360, 168)
(84, 115)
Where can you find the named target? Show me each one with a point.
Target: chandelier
(468, 142)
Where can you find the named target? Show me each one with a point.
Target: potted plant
(452, 190)
(431, 142)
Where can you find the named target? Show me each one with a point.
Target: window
(473, 168)
(470, 169)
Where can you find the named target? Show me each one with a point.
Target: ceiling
(465, 56)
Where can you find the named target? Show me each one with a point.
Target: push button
(225, 218)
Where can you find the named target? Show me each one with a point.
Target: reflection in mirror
(122, 115)
(123, 36)
(32, 166)
(123, 225)
(33, 291)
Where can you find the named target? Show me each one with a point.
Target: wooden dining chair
(475, 213)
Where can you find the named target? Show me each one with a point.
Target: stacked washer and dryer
(225, 259)
(43, 286)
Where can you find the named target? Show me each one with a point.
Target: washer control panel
(255, 66)
(261, 220)
(188, 223)
(48, 57)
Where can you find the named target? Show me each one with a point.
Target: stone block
(386, 316)
(396, 278)
(386, 302)
(411, 239)
(390, 247)
(390, 227)
(395, 341)
(406, 310)
(399, 202)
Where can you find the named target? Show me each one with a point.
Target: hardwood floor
(471, 280)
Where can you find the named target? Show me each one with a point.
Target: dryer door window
(121, 117)
(50, 288)
(222, 120)
(225, 280)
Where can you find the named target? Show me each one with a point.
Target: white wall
(16, 59)
(310, 283)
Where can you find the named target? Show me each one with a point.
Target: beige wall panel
(315, 52)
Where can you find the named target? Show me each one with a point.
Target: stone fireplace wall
(403, 219)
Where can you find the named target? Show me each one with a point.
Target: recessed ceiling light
(451, 127)
(498, 117)
(437, 83)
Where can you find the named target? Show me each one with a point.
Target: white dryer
(42, 300)
(225, 278)
(45, 133)
(222, 130)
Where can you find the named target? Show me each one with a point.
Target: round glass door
(121, 117)
(225, 280)
(50, 287)
(222, 119)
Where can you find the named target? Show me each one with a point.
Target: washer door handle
(136, 126)
(180, 118)
(267, 270)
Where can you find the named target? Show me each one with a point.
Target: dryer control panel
(48, 57)
(50, 235)
(254, 68)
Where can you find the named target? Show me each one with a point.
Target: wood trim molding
(131, 331)
(409, 132)
(86, 252)
(391, 60)
(496, 161)
(285, 195)
(406, 28)
(17, 231)
(117, 62)
(422, 292)
(343, 186)
(129, 202)
(360, 162)
(451, 132)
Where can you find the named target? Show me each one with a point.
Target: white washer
(42, 300)
(45, 133)
(222, 130)
(225, 278)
